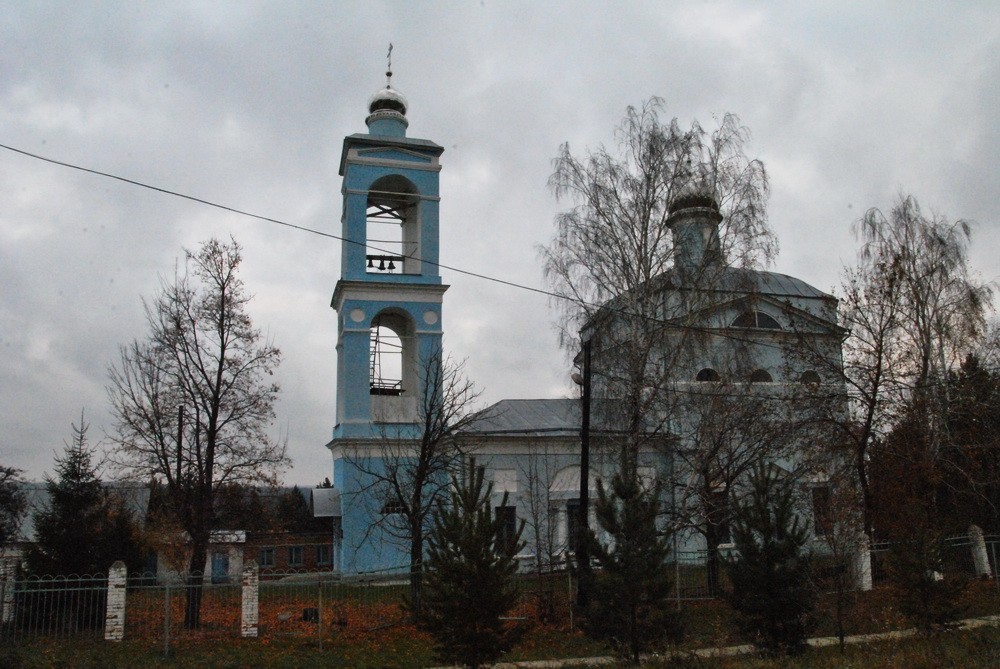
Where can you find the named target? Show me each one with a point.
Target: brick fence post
(8, 577)
(862, 567)
(251, 593)
(980, 559)
(114, 619)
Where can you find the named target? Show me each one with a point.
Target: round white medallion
(430, 317)
(357, 315)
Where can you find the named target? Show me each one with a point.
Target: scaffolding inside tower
(386, 366)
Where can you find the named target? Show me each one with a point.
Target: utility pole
(583, 526)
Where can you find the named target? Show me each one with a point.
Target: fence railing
(297, 603)
(313, 604)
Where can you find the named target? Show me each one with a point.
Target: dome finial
(387, 108)
(388, 69)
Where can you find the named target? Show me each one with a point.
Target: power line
(268, 219)
(541, 291)
(718, 332)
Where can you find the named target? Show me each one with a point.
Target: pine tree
(12, 504)
(468, 584)
(771, 578)
(630, 603)
(82, 532)
(85, 528)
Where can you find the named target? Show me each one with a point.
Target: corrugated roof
(527, 417)
(548, 417)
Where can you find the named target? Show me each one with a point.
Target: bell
(370, 263)
(381, 265)
(392, 265)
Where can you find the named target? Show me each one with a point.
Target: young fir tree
(12, 504)
(84, 529)
(772, 587)
(468, 583)
(630, 604)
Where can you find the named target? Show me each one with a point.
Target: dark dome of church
(387, 99)
(693, 201)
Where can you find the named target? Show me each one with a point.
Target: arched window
(809, 376)
(760, 376)
(755, 319)
(707, 374)
(392, 233)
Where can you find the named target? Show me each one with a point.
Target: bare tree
(411, 474)
(942, 305)
(615, 239)
(838, 511)
(609, 259)
(542, 521)
(194, 400)
(911, 309)
(626, 277)
(723, 430)
(537, 472)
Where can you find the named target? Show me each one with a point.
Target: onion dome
(387, 113)
(387, 98)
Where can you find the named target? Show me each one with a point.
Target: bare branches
(913, 310)
(407, 474)
(193, 402)
(203, 357)
(614, 239)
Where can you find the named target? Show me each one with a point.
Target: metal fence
(319, 606)
(692, 582)
(306, 605)
(56, 606)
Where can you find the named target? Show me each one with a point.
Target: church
(732, 351)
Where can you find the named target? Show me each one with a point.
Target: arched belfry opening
(392, 227)
(386, 368)
(392, 368)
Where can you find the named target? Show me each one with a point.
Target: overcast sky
(246, 104)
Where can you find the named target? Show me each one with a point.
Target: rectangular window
(504, 480)
(822, 511)
(295, 556)
(265, 559)
(507, 539)
(323, 555)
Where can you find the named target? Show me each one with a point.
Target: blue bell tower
(388, 299)
(388, 303)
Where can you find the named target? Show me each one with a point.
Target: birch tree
(612, 259)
